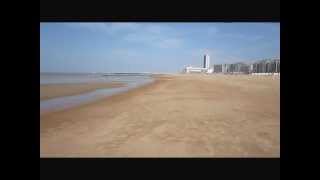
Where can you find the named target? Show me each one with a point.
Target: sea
(131, 80)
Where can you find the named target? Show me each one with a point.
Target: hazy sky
(152, 47)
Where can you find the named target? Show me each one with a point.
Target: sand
(176, 116)
(49, 91)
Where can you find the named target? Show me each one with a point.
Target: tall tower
(206, 61)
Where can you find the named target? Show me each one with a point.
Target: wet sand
(176, 116)
(49, 91)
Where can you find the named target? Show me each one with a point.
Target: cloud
(217, 56)
(154, 40)
(110, 28)
(241, 37)
(212, 31)
(125, 52)
(155, 35)
(170, 43)
(89, 26)
(122, 27)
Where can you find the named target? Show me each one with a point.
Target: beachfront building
(206, 61)
(261, 67)
(205, 69)
(225, 68)
(236, 68)
(250, 68)
(245, 68)
(217, 68)
(266, 66)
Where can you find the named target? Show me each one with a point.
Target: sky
(152, 47)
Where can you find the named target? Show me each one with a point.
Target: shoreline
(50, 91)
(114, 97)
(173, 116)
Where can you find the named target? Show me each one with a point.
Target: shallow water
(131, 81)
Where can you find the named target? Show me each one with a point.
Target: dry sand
(49, 91)
(176, 116)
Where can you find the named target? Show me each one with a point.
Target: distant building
(205, 69)
(261, 67)
(218, 68)
(251, 68)
(226, 68)
(206, 61)
(266, 66)
(244, 68)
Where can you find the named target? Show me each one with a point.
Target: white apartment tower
(205, 69)
(206, 61)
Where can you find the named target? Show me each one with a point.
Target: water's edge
(65, 102)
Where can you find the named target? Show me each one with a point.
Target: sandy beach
(49, 91)
(175, 116)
